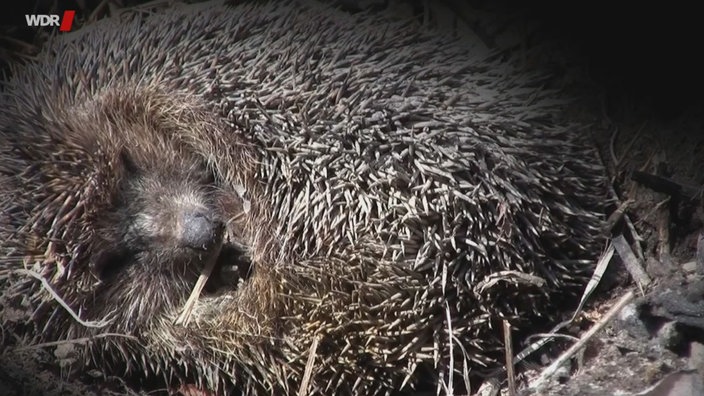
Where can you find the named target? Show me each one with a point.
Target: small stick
(508, 348)
(450, 380)
(618, 214)
(550, 370)
(598, 274)
(630, 226)
(664, 232)
(78, 341)
(60, 301)
(631, 262)
(303, 389)
(636, 237)
(700, 253)
(185, 316)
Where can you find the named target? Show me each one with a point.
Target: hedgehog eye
(129, 163)
(106, 264)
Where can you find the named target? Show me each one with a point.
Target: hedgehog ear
(209, 176)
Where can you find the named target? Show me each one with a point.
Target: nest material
(401, 191)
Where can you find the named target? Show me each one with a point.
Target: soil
(646, 117)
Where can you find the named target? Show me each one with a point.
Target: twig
(305, 382)
(700, 253)
(618, 214)
(58, 299)
(612, 147)
(508, 348)
(82, 340)
(631, 228)
(185, 316)
(658, 183)
(636, 237)
(552, 369)
(601, 266)
(664, 232)
(451, 369)
(633, 265)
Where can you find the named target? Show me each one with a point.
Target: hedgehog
(365, 200)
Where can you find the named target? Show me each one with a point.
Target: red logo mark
(67, 21)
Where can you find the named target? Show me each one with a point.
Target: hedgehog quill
(368, 195)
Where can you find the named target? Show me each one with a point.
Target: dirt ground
(647, 118)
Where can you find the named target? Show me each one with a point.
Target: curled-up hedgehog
(369, 199)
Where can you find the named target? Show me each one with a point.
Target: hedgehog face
(127, 206)
(170, 216)
(153, 239)
(174, 223)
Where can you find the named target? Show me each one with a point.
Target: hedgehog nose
(198, 230)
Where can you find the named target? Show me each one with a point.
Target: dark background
(650, 52)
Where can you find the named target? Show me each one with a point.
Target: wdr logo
(52, 20)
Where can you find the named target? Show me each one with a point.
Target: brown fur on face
(136, 209)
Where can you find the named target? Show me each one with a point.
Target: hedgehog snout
(199, 230)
